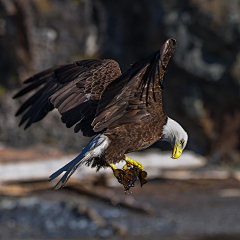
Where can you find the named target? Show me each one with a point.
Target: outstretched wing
(125, 100)
(74, 89)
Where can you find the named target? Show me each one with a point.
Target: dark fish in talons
(129, 176)
(142, 177)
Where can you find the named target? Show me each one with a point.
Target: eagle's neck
(172, 131)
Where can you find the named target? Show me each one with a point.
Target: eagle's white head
(176, 135)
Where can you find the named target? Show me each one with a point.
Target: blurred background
(195, 197)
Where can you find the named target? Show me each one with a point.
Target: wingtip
(61, 183)
(18, 94)
(168, 48)
(14, 96)
(19, 111)
(173, 41)
(27, 126)
(28, 80)
(58, 186)
(53, 176)
(21, 122)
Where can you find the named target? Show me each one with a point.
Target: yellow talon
(130, 162)
(125, 167)
(113, 166)
(115, 171)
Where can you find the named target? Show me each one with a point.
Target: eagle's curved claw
(130, 162)
(129, 173)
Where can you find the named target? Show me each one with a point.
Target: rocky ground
(196, 204)
(180, 210)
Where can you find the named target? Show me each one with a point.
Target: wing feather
(93, 95)
(67, 88)
(135, 87)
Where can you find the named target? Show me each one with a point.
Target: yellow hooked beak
(177, 151)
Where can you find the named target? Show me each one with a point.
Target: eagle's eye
(182, 142)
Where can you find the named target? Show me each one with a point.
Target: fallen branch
(111, 196)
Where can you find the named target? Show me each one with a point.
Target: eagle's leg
(130, 162)
(113, 167)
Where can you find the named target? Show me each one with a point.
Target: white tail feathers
(95, 148)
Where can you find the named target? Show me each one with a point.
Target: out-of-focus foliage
(203, 80)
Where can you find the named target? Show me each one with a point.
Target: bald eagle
(123, 111)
